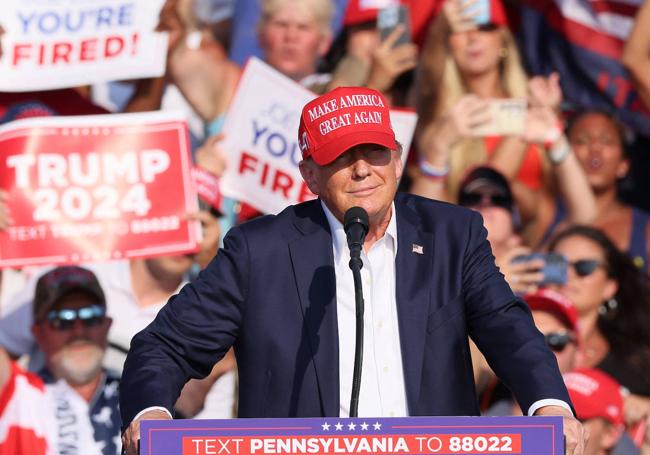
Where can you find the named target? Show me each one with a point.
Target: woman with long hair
(466, 69)
(613, 303)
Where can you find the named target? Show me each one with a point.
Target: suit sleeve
(502, 327)
(192, 332)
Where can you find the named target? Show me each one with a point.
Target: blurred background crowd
(561, 186)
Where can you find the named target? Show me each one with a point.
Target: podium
(354, 436)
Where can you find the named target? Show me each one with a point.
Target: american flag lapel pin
(417, 249)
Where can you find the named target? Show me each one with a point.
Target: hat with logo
(61, 281)
(342, 118)
(595, 394)
(555, 303)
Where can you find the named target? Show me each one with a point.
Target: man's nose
(291, 33)
(360, 168)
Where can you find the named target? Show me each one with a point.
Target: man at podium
(281, 292)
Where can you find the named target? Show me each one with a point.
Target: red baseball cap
(342, 118)
(595, 394)
(498, 13)
(555, 303)
(362, 11)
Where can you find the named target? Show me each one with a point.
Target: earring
(607, 306)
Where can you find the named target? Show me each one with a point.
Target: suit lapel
(413, 267)
(313, 267)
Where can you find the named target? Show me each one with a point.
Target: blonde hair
(321, 10)
(440, 86)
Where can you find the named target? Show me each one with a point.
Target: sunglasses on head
(585, 267)
(557, 341)
(480, 199)
(66, 318)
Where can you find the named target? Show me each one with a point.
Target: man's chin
(78, 364)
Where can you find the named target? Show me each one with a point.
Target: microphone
(355, 225)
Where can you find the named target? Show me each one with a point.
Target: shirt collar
(339, 239)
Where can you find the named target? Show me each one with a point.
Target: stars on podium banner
(364, 426)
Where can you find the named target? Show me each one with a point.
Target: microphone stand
(356, 264)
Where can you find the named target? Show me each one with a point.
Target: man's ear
(308, 172)
(399, 167)
(325, 44)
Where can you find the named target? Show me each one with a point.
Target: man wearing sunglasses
(556, 317)
(488, 192)
(71, 328)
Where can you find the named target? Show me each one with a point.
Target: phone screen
(479, 8)
(507, 118)
(390, 17)
(554, 269)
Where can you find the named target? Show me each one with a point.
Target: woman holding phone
(613, 303)
(470, 82)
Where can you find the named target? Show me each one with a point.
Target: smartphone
(507, 118)
(390, 17)
(555, 266)
(481, 9)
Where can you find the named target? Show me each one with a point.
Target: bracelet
(553, 135)
(559, 152)
(432, 172)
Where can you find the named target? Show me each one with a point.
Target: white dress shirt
(382, 377)
(383, 393)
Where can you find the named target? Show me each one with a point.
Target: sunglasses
(557, 341)
(585, 267)
(66, 318)
(489, 200)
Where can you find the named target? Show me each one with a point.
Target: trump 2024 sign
(96, 188)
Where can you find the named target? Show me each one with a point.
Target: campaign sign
(51, 44)
(356, 436)
(95, 188)
(261, 139)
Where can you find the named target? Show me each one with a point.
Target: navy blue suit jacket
(271, 292)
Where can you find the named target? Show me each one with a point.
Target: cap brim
(541, 303)
(335, 148)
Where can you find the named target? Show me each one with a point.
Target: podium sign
(356, 436)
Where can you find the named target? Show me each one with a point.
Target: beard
(79, 362)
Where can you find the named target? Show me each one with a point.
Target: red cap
(498, 13)
(342, 118)
(556, 304)
(362, 11)
(595, 394)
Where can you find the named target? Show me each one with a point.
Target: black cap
(61, 281)
(482, 179)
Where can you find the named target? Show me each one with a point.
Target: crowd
(565, 220)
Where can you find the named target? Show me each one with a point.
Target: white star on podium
(364, 426)
(377, 426)
(338, 426)
(352, 426)
(326, 426)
